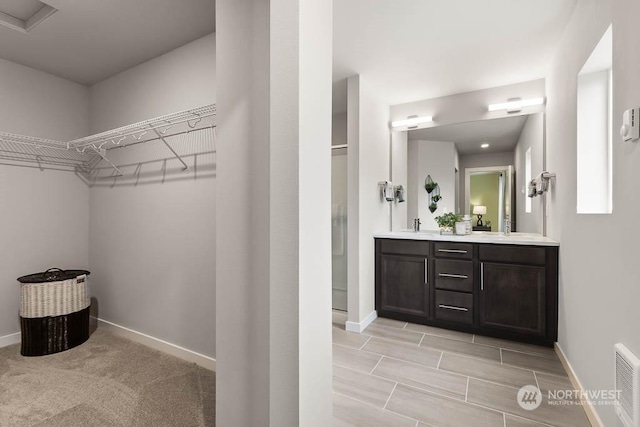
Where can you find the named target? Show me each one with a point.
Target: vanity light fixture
(485, 145)
(411, 122)
(515, 105)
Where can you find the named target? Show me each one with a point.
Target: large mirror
(477, 168)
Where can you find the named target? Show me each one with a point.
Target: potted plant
(433, 207)
(429, 185)
(447, 222)
(436, 198)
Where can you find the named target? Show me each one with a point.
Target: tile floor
(402, 374)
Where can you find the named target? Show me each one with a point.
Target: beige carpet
(107, 381)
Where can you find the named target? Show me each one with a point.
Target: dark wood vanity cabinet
(506, 291)
(519, 290)
(402, 275)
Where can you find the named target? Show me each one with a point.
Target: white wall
(435, 158)
(179, 80)
(41, 105)
(44, 216)
(479, 161)
(152, 246)
(532, 136)
(274, 267)
(599, 266)
(369, 138)
(339, 129)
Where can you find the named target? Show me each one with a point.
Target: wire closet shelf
(84, 154)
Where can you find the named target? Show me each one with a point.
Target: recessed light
(485, 145)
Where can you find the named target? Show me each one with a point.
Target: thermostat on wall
(630, 130)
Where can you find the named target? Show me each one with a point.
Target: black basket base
(49, 335)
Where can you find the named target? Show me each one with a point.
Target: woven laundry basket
(54, 311)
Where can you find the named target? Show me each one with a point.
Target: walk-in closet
(108, 164)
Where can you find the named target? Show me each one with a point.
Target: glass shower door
(339, 228)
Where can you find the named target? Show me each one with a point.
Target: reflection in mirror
(483, 163)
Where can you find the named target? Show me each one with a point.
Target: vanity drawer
(453, 250)
(454, 307)
(454, 275)
(513, 254)
(404, 247)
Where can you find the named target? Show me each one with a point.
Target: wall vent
(628, 383)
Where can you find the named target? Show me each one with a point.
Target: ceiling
(90, 40)
(501, 134)
(421, 49)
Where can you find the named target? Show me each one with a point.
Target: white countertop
(475, 237)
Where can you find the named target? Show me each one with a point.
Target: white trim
(158, 344)
(592, 415)
(10, 339)
(359, 327)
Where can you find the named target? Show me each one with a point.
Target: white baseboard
(592, 415)
(359, 327)
(158, 344)
(10, 339)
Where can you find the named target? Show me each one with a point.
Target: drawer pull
(453, 276)
(453, 251)
(451, 307)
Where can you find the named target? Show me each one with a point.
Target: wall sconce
(399, 193)
(515, 105)
(387, 191)
(540, 184)
(411, 122)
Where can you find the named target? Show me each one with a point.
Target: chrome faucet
(416, 224)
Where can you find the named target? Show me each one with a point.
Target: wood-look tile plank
(391, 333)
(533, 362)
(437, 381)
(338, 318)
(446, 333)
(390, 323)
(504, 399)
(513, 421)
(459, 347)
(355, 359)
(487, 370)
(362, 386)
(408, 352)
(348, 412)
(516, 346)
(548, 383)
(349, 339)
(441, 411)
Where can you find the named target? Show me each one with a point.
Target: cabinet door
(404, 284)
(513, 298)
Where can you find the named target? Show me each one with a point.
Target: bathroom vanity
(483, 283)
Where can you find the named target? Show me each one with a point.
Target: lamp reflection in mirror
(479, 210)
